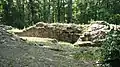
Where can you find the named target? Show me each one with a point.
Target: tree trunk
(44, 11)
(58, 5)
(32, 11)
(49, 17)
(69, 11)
(63, 11)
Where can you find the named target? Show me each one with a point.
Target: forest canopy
(22, 13)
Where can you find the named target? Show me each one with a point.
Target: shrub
(111, 49)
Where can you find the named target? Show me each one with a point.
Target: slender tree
(44, 10)
(58, 5)
(63, 11)
(69, 20)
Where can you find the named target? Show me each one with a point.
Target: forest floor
(18, 51)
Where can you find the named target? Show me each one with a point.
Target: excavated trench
(62, 32)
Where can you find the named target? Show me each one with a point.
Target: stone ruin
(81, 35)
(95, 34)
(60, 31)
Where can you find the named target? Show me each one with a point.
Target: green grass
(87, 53)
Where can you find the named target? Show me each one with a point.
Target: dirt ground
(28, 52)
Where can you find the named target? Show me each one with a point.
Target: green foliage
(22, 13)
(111, 46)
(84, 11)
(115, 19)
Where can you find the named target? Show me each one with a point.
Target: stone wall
(96, 33)
(62, 32)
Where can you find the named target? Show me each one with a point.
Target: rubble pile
(95, 34)
(8, 38)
